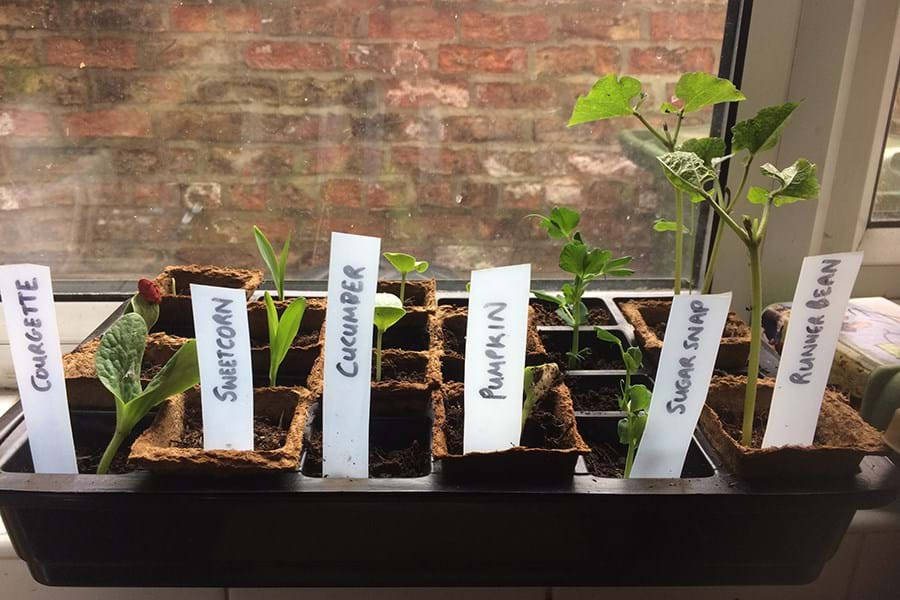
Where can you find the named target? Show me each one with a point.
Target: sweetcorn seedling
(118, 363)
(633, 399)
(388, 310)
(405, 264)
(585, 264)
(613, 97)
(276, 264)
(282, 332)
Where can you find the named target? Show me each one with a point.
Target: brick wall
(135, 134)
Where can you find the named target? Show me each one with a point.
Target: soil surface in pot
(397, 368)
(592, 361)
(542, 429)
(411, 461)
(545, 316)
(267, 434)
(606, 459)
(414, 293)
(604, 396)
(732, 423)
(655, 313)
(88, 456)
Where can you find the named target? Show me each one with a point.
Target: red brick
(515, 95)
(385, 58)
(29, 14)
(100, 16)
(477, 195)
(690, 25)
(135, 162)
(324, 21)
(241, 19)
(348, 92)
(250, 161)
(181, 161)
(289, 56)
(488, 27)
(385, 194)
(107, 123)
(553, 129)
(413, 23)
(525, 195)
(354, 159)
(106, 53)
(156, 195)
(435, 160)
(189, 52)
(564, 60)
(236, 90)
(192, 17)
(244, 196)
(616, 27)
(664, 61)
(270, 128)
(423, 93)
(113, 87)
(201, 125)
(487, 129)
(17, 53)
(342, 192)
(38, 86)
(437, 192)
(465, 59)
(289, 195)
(25, 123)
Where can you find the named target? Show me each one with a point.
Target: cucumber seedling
(585, 264)
(405, 264)
(388, 310)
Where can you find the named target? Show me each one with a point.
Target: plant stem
(402, 286)
(378, 355)
(110, 452)
(629, 458)
(666, 144)
(576, 320)
(755, 343)
(707, 278)
(679, 239)
(273, 369)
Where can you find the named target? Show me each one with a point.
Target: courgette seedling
(388, 310)
(118, 364)
(146, 302)
(405, 264)
(585, 264)
(276, 264)
(282, 331)
(613, 97)
(633, 399)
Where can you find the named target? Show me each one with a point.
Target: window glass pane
(886, 208)
(138, 134)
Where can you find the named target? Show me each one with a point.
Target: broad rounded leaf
(761, 133)
(708, 148)
(596, 261)
(610, 97)
(686, 171)
(640, 397)
(698, 90)
(388, 310)
(118, 359)
(147, 310)
(572, 258)
(757, 195)
(402, 262)
(803, 183)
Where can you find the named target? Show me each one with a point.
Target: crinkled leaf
(610, 97)
(288, 327)
(404, 263)
(662, 225)
(803, 184)
(757, 195)
(388, 310)
(686, 171)
(118, 359)
(761, 133)
(147, 310)
(640, 397)
(698, 90)
(180, 373)
(708, 148)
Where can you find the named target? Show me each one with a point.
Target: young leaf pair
(388, 311)
(405, 264)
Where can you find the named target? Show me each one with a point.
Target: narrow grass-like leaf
(287, 331)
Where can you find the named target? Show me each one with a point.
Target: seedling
(613, 97)
(118, 363)
(282, 331)
(634, 399)
(146, 302)
(405, 264)
(586, 264)
(538, 382)
(388, 310)
(276, 264)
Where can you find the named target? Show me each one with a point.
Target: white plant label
(349, 321)
(495, 358)
(690, 347)
(817, 313)
(226, 376)
(30, 315)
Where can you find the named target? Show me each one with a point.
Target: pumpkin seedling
(282, 331)
(146, 302)
(276, 264)
(633, 399)
(405, 264)
(388, 310)
(118, 363)
(585, 264)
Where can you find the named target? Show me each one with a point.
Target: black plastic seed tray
(297, 529)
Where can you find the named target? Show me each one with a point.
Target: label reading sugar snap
(495, 358)
(226, 375)
(27, 295)
(349, 319)
(691, 343)
(817, 313)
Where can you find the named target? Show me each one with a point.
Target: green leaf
(668, 108)
(570, 295)
(147, 310)
(271, 318)
(617, 263)
(288, 327)
(118, 359)
(548, 297)
(180, 373)
(606, 336)
(708, 148)
(573, 257)
(268, 256)
(620, 272)
(421, 266)
(757, 195)
(635, 354)
(640, 397)
(282, 267)
(762, 132)
(686, 171)
(698, 90)
(623, 430)
(388, 310)
(803, 183)
(662, 225)
(595, 262)
(638, 423)
(404, 263)
(610, 97)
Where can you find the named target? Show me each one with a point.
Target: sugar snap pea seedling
(388, 310)
(405, 264)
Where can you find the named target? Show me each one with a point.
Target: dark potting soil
(394, 369)
(405, 338)
(546, 316)
(759, 429)
(88, 455)
(454, 341)
(267, 435)
(593, 399)
(606, 460)
(593, 361)
(412, 461)
(302, 339)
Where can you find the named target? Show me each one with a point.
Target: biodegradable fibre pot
(841, 440)
(419, 294)
(84, 389)
(175, 315)
(310, 325)
(451, 337)
(598, 314)
(649, 318)
(550, 443)
(174, 442)
(295, 369)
